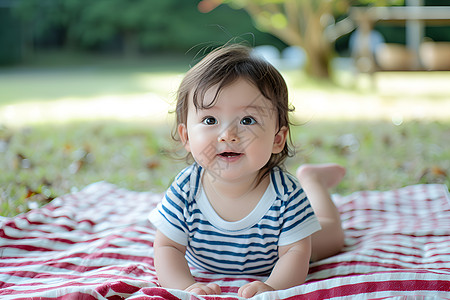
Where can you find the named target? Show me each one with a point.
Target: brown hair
(222, 67)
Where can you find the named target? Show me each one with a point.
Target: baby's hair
(222, 67)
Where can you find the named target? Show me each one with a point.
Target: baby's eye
(209, 121)
(248, 121)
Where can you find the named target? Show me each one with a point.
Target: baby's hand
(204, 289)
(254, 288)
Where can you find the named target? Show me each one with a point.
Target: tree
(309, 24)
(89, 23)
(132, 26)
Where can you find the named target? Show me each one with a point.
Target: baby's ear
(280, 140)
(183, 134)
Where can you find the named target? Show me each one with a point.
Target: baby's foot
(328, 175)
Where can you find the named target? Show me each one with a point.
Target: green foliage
(136, 25)
(9, 35)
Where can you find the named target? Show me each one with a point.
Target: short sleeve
(169, 216)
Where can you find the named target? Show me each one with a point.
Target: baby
(235, 210)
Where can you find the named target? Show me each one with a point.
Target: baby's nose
(229, 134)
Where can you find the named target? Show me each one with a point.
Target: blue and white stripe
(249, 246)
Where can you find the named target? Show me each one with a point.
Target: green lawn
(64, 126)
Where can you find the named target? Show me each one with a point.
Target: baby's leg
(316, 181)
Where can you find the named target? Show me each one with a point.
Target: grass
(44, 161)
(64, 126)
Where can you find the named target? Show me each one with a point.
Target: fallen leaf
(435, 174)
(67, 148)
(347, 144)
(38, 197)
(30, 193)
(153, 164)
(438, 171)
(82, 158)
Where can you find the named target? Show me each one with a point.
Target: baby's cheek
(203, 154)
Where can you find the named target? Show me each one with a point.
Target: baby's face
(236, 137)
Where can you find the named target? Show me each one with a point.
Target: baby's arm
(290, 270)
(173, 270)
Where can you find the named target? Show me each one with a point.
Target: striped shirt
(248, 246)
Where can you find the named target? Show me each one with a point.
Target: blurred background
(86, 87)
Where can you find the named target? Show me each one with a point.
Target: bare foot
(328, 175)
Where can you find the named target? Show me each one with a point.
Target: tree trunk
(318, 50)
(318, 63)
(303, 29)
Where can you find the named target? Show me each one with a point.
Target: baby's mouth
(229, 154)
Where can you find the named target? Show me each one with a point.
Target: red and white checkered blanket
(97, 244)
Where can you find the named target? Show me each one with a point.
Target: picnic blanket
(97, 244)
